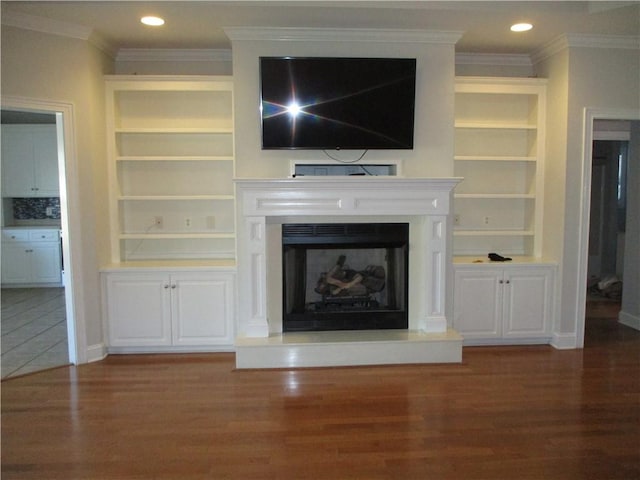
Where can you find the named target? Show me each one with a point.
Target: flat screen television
(337, 103)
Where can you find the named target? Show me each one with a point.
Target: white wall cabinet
(171, 159)
(29, 161)
(499, 151)
(503, 304)
(31, 257)
(164, 311)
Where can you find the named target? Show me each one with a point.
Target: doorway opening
(41, 328)
(607, 227)
(609, 224)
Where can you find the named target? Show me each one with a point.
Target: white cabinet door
(526, 307)
(45, 262)
(45, 151)
(16, 267)
(138, 310)
(17, 163)
(477, 309)
(202, 309)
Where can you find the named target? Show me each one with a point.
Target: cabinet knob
(166, 286)
(508, 282)
(173, 286)
(501, 282)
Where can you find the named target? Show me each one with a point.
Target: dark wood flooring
(504, 413)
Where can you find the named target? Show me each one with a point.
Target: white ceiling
(198, 24)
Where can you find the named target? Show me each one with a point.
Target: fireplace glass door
(345, 276)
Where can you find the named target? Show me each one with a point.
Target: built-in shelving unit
(171, 150)
(499, 150)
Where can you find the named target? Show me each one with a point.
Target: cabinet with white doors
(499, 152)
(503, 303)
(29, 161)
(153, 311)
(170, 147)
(31, 257)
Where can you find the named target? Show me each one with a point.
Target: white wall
(630, 312)
(59, 69)
(579, 77)
(433, 146)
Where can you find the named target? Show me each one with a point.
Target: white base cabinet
(169, 311)
(31, 257)
(503, 304)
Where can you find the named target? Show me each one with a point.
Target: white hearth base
(343, 348)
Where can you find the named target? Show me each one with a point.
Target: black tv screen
(337, 103)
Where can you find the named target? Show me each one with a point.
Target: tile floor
(34, 330)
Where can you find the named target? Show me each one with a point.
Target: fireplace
(421, 204)
(345, 276)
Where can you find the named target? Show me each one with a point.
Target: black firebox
(345, 276)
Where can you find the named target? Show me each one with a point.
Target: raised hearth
(422, 203)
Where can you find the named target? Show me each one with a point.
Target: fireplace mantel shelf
(345, 196)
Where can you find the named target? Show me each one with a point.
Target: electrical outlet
(486, 220)
(158, 221)
(187, 222)
(456, 219)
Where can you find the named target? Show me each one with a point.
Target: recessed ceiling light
(521, 27)
(152, 21)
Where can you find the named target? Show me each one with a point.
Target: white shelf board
(174, 197)
(495, 125)
(492, 233)
(214, 130)
(169, 236)
(498, 196)
(174, 158)
(494, 158)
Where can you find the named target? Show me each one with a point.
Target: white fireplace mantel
(426, 199)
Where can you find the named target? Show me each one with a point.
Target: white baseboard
(96, 352)
(564, 341)
(629, 320)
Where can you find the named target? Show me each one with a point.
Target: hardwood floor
(504, 413)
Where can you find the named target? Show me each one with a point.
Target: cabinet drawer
(44, 235)
(15, 236)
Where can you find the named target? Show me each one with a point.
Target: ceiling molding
(512, 60)
(172, 55)
(46, 25)
(368, 35)
(574, 40)
(57, 27)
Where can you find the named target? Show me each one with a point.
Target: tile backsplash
(45, 208)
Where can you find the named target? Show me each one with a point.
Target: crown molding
(173, 55)
(293, 34)
(57, 27)
(46, 25)
(574, 40)
(512, 60)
